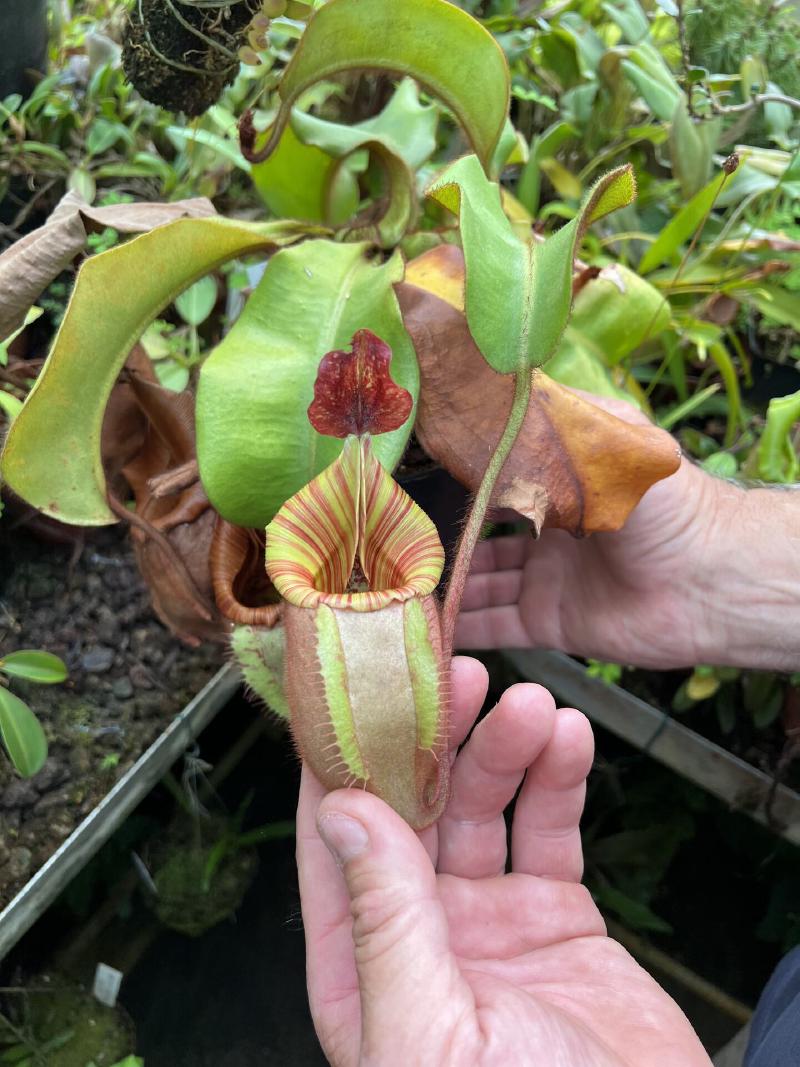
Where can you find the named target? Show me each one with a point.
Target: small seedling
(20, 730)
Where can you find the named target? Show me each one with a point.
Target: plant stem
(480, 505)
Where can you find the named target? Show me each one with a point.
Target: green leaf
(184, 138)
(777, 459)
(260, 654)
(429, 40)
(518, 293)
(197, 302)
(255, 445)
(31, 315)
(325, 194)
(630, 17)
(682, 411)
(401, 137)
(103, 134)
(22, 734)
(722, 464)
(35, 666)
(613, 315)
(653, 79)
(52, 454)
(780, 305)
(681, 226)
(692, 146)
(543, 146)
(10, 405)
(407, 126)
(172, 375)
(634, 913)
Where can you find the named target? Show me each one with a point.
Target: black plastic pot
(23, 29)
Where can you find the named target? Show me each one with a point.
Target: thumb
(408, 978)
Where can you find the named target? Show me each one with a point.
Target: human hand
(691, 578)
(472, 966)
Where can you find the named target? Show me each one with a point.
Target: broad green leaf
(35, 666)
(579, 367)
(197, 302)
(325, 193)
(22, 734)
(407, 126)
(443, 48)
(52, 454)
(255, 445)
(777, 459)
(518, 293)
(617, 312)
(402, 137)
(30, 265)
(612, 316)
(681, 226)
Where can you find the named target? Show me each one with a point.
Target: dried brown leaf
(31, 264)
(172, 534)
(574, 467)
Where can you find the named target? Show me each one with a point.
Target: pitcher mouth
(353, 511)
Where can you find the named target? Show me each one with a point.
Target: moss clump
(71, 1025)
(723, 32)
(172, 66)
(186, 903)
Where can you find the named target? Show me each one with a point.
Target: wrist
(746, 574)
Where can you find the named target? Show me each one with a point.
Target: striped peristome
(353, 511)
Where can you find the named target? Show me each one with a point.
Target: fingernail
(345, 837)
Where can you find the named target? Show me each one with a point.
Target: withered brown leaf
(574, 466)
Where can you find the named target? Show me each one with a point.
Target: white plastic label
(107, 981)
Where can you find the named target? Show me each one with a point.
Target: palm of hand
(471, 965)
(616, 596)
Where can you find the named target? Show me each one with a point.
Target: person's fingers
(517, 913)
(492, 628)
(625, 410)
(485, 777)
(500, 554)
(491, 589)
(408, 977)
(545, 837)
(469, 681)
(331, 972)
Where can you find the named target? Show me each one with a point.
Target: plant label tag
(107, 981)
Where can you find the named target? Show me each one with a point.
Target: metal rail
(743, 787)
(98, 826)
